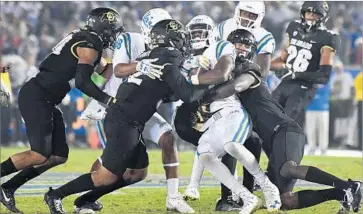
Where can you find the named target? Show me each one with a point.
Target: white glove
(94, 111)
(204, 63)
(146, 67)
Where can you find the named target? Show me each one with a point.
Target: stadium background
(30, 29)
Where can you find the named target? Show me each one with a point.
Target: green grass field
(152, 200)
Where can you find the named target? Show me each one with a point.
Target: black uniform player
(71, 63)
(306, 60)
(283, 142)
(137, 100)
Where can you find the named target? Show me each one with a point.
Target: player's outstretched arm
(181, 88)
(220, 73)
(85, 68)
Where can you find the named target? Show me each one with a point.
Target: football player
(71, 63)
(306, 60)
(127, 48)
(247, 15)
(136, 101)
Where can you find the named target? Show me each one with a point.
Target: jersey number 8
(298, 61)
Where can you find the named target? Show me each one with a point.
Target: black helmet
(107, 23)
(318, 7)
(243, 36)
(170, 33)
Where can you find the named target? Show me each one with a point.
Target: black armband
(85, 84)
(319, 77)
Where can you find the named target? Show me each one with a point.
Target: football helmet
(149, 20)
(320, 8)
(200, 30)
(256, 10)
(107, 23)
(245, 37)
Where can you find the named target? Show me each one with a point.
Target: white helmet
(257, 7)
(205, 26)
(150, 18)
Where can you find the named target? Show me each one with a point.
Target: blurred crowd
(30, 29)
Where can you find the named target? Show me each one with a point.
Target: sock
(230, 162)
(173, 187)
(21, 178)
(308, 198)
(7, 167)
(80, 184)
(100, 191)
(222, 173)
(249, 161)
(197, 172)
(315, 175)
(253, 145)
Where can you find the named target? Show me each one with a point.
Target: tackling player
(127, 48)
(247, 15)
(70, 64)
(137, 100)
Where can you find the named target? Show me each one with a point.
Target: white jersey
(127, 48)
(213, 53)
(265, 40)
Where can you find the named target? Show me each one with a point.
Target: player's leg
(136, 171)
(191, 192)
(253, 144)
(324, 131)
(236, 149)
(38, 117)
(297, 102)
(115, 155)
(210, 148)
(288, 151)
(158, 130)
(311, 130)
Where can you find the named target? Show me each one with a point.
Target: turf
(152, 200)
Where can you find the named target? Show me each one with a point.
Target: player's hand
(282, 72)
(204, 63)
(146, 67)
(5, 98)
(94, 111)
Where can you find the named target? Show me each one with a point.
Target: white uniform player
(265, 46)
(127, 48)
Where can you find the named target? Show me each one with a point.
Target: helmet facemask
(246, 19)
(199, 35)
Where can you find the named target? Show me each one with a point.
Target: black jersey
(60, 66)
(304, 48)
(140, 95)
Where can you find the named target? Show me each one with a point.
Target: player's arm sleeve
(181, 88)
(85, 68)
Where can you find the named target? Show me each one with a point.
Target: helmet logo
(110, 17)
(172, 26)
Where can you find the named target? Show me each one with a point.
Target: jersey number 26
(298, 61)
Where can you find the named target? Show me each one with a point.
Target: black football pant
(294, 97)
(43, 121)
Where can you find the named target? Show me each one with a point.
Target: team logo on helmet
(172, 26)
(110, 17)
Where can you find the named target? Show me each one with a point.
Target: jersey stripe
(220, 47)
(101, 133)
(127, 40)
(262, 44)
(220, 28)
(242, 129)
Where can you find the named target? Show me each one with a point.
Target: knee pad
(230, 147)
(207, 157)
